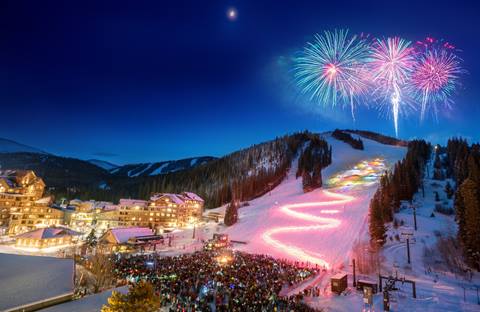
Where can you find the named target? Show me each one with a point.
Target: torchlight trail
(324, 223)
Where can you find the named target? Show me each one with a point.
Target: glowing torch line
(325, 223)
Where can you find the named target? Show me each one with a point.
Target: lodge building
(22, 207)
(163, 210)
(38, 215)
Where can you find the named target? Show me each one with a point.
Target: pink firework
(436, 76)
(392, 63)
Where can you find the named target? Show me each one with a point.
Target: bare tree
(101, 267)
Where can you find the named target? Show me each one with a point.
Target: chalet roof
(8, 181)
(110, 207)
(192, 196)
(45, 200)
(132, 202)
(8, 173)
(122, 235)
(14, 177)
(52, 232)
(177, 198)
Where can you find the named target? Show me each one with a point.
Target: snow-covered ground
(26, 279)
(439, 287)
(325, 228)
(92, 303)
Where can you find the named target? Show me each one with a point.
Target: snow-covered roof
(8, 181)
(122, 235)
(45, 200)
(339, 275)
(177, 198)
(27, 279)
(110, 207)
(132, 202)
(193, 196)
(44, 233)
(101, 204)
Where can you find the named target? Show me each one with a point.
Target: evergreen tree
(471, 233)
(231, 213)
(306, 182)
(449, 190)
(91, 240)
(376, 225)
(140, 297)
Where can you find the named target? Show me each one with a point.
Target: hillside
(9, 146)
(58, 172)
(320, 226)
(244, 174)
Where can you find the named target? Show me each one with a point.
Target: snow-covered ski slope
(318, 227)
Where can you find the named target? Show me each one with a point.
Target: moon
(232, 14)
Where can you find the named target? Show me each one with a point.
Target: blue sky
(132, 82)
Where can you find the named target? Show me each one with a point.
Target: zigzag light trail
(323, 223)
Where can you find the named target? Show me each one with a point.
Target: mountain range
(250, 170)
(18, 155)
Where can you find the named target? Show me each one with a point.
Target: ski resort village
(239, 156)
(337, 221)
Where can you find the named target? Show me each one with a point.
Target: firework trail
(392, 62)
(436, 75)
(332, 68)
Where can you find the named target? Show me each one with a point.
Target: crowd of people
(218, 281)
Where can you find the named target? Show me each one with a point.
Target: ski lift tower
(408, 235)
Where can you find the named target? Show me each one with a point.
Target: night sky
(136, 81)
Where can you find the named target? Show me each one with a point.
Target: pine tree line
(347, 138)
(314, 157)
(463, 165)
(396, 186)
(380, 138)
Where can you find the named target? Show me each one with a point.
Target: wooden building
(117, 239)
(39, 215)
(46, 237)
(339, 282)
(18, 188)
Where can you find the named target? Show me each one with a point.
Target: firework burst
(392, 62)
(338, 68)
(332, 68)
(436, 76)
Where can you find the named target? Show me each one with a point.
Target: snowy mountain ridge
(10, 146)
(158, 168)
(103, 164)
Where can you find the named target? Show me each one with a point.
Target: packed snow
(26, 279)
(141, 171)
(159, 170)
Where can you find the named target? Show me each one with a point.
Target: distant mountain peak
(103, 164)
(162, 167)
(10, 146)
